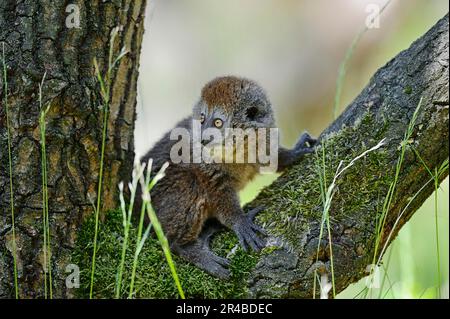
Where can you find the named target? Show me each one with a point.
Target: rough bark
(382, 110)
(37, 40)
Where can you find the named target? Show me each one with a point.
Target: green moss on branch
(153, 277)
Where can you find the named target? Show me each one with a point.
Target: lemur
(192, 193)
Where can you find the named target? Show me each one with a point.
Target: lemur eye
(202, 118)
(218, 123)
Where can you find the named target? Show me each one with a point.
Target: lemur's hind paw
(200, 255)
(208, 233)
(215, 265)
(246, 231)
(251, 215)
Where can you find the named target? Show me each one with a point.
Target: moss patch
(294, 200)
(153, 277)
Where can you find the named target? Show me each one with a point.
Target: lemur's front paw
(246, 231)
(311, 141)
(306, 138)
(305, 144)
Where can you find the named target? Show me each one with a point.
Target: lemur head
(233, 102)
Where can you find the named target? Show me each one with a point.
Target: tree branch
(383, 110)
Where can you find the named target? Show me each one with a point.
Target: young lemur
(192, 193)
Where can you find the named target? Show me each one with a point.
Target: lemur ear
(252, 112)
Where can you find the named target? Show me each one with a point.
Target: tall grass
(140, 240)
(11, 191)
(157, 226)
(146, 184)
(45, 215)
(126, 214)
(343, 66)
(321, 170)
(327, 194)
(438, 172)
(105, 91)
(386, 277)
(380, 223)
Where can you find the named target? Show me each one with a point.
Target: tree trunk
(384, 109)
(42, 36)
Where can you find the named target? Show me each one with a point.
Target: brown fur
(224, 91)
(192, 193)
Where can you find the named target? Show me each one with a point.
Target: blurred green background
(293, 49)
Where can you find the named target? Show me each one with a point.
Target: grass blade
(327, 197)
(11, 191)
(392, 188)
(147, 186)
(105, 89)
(45, 210)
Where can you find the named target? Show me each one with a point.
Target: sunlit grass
(386, 277)
(141, 238)
(147, 186)
(146, 183)
(126, 214)
(438, 172)
(11, 191)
